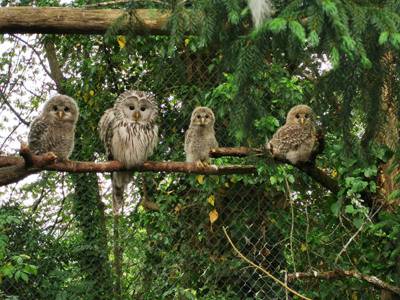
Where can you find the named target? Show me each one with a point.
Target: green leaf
(335, 208)
(370, 171)
(313, 39)
(395, 39)
(383, 37)
(349, 209)
(358, 222)
(298, 31)
(334, 57)
(394, 195)
(277, 25)
(24, 277)
(329, 8)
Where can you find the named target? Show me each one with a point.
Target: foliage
(328, 54)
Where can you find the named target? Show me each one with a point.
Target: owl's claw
(199, 164)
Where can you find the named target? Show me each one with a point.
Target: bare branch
(338, 274)
(261, 269)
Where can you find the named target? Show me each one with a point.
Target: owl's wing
(106, 126)
(37, 133)
(214, 142)
(289, 137)
(187, 138)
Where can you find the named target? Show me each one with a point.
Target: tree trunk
(389, 136)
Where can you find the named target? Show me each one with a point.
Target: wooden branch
(36, 163)
(16, 168)
(337, 274)
(63, 20)
(310, 169)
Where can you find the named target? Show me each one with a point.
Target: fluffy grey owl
(54, 129)
(129, 134)
(200, 136)
(297, 139)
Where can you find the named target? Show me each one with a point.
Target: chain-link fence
(60, 240)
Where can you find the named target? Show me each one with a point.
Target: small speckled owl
(296, 140)
(129, 134)
(200, 136)
(54, 129)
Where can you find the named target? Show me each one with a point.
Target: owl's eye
(55, 107)
(198, 117)
(131, 107)
(66, 109)
(306, 116)
(297, 116)
(206, 116)
(143, 108)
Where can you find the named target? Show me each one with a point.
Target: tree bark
(79, 21)
(337, 274)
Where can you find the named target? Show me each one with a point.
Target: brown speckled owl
(54, 129)
(200, 136)
(296, 140)
(129, 134)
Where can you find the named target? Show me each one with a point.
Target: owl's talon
(199, 164)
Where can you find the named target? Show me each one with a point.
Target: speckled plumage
(129, 134)
(200, 136)
(54, 129)
(296, 140)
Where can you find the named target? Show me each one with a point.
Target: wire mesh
(58, 228)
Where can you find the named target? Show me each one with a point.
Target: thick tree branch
(55, 70)
(78, 21)
(36, 163)
(337, 274)
(31, 164)
(310, 169)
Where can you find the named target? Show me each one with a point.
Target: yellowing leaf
(187, 42)
(334, 173)
(303, 247)
(211, 200)
(121, 41)
(200, 179)
(226, 184)
(178, 208)
(91, 93)
(213, 215)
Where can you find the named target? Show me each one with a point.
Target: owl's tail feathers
(119, 181)
(261, 10)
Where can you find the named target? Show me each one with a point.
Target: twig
(34, 51)
(262, 269)
(337, 274)
(354, 236)
(289, 195)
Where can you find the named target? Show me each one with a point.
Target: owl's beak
(60, 114)
(302, 121)
(203, 121)
(136, 116)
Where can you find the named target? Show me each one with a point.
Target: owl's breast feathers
(132, 143)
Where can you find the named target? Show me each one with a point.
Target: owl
(297, 139)
(200, 136)
(54, 129)
(129, 134)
